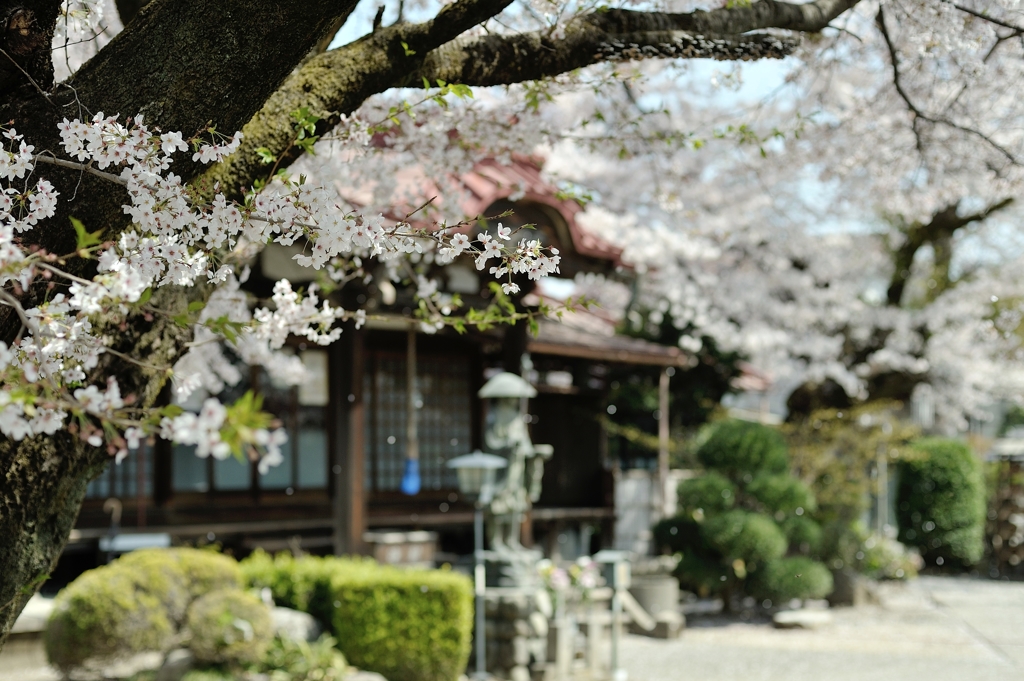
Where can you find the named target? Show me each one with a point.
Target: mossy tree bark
(184, 64)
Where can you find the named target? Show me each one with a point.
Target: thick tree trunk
(42, 489)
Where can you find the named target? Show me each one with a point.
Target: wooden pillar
(347, 412)
(658, 496)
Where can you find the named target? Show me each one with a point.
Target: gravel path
(931, 629)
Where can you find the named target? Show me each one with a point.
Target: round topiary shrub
(702, 573)
(941, 503)
(710, 492)
(788, 578)
(741, 517)
(782, 493)
(136, 603)
(802, 533)
(678, 535)
(739, 448)
(229, 627)
(749, 537)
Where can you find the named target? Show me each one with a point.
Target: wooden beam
(605, 355)
(200, 529)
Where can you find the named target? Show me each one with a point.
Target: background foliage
(941, 503)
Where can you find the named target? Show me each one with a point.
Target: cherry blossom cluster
(178, 238)
(78, 19)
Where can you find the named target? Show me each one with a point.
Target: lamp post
(476, 473)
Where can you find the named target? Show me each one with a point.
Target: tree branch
(338, 82)
(939, 230)
(500, 60)
(985, 17)
(921, 115)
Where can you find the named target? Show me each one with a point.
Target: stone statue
(507, 435)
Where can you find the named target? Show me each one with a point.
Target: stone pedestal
(517, 633)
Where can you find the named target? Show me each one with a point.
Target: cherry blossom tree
(859, 240)
(130, 202)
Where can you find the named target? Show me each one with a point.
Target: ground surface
(931, 629)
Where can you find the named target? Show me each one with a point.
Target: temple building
(348, 424)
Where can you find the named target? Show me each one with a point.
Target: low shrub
(229, 627)
(884, 558)
(134, 604)
(941, 503)
(409, 625)
(288, 660)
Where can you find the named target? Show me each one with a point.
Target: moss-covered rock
(229, 627)
(136, 603)
(107, 613)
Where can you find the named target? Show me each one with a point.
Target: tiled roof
(566, 340)
(492, 181)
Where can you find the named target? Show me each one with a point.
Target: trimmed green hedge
(409, 625)
(941, 503)
(134, 604)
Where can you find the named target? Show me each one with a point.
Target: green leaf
(266, 156)
(146, 295)
(196, 305)
(408, 50)
(84, 239)
(172, 410)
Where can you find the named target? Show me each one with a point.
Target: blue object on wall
(411, 477)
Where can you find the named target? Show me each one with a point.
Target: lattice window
(444, 427)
